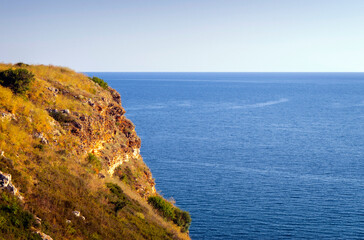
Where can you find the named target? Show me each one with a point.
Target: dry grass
(21, 119)
(63, 75)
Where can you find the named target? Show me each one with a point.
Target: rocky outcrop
(7, 115)
(44, 236)
(6, 184)
(108, 134)
(41, 137)
(115, 95)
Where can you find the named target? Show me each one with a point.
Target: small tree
(18, 80)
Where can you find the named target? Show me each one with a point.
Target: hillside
(70, 162)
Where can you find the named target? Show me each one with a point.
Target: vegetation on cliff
(99, 81)
(17, 80)
(170, 212)
(74, 157)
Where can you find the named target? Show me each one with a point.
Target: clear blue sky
(185, 35)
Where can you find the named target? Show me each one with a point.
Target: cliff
(70, 162)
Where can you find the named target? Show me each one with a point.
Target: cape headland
(70, 164)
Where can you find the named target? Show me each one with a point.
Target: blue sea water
(254, 155)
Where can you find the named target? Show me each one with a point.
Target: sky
(185, 35)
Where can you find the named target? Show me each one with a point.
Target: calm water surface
(254, 156)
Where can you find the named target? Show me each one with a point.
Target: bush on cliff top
(21, 64)
(99, 81)
(18, 80)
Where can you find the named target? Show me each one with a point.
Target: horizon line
(215, 72)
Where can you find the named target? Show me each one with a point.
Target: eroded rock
(44, 236)
(7, 115)
(38, 220)
(76, 213)
(6, 184)
(54, 91)
(65, 111)
(5, 179)
(42, 138)
(115, 95)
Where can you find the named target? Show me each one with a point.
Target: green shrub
(18, 80)
(115, 189)
(182, 219)
(179, 217)
(40, 147)
(94, 161)
(21, 64)
(163, 206)
(118, 205)
(121, 200)
(99, 81)
(14, 220)
(61, 117)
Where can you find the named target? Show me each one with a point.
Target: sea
(254, 155)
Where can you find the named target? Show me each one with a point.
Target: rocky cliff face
(108, 134)
(68, 147)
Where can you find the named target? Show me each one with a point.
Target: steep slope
(74, 162)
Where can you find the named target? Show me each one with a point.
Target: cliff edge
(70, 164)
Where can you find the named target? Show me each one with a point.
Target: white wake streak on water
(263, 104)
(146, 107)
(157, 106)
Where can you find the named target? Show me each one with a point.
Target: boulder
(5, 179)
(38, 220)
(76, 213)
(65, 111)
(5, 183)
(44, 236)
(42, 138)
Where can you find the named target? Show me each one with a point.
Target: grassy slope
(54, 178)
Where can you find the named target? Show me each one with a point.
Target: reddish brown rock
(108, 134)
